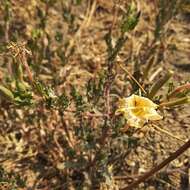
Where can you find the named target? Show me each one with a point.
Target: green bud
(158, 84)
(22, 86)
(6, 93)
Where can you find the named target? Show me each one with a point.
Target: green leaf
(131, 19)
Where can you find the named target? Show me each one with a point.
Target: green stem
(176, 102)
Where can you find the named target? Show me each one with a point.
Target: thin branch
(166, 132)
(133, 78)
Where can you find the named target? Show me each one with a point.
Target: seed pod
(177, 102)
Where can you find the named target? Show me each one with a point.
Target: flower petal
(153, 115)
(138, 110)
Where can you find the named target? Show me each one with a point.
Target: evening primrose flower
(138, 110)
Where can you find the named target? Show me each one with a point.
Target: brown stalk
(23, 60)
(157, 168)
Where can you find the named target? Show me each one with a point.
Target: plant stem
(166, 132)
(133, 78)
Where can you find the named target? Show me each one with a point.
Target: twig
(133, 78)
(166, 132)
(157, 168)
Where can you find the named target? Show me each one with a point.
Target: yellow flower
(138, 110)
